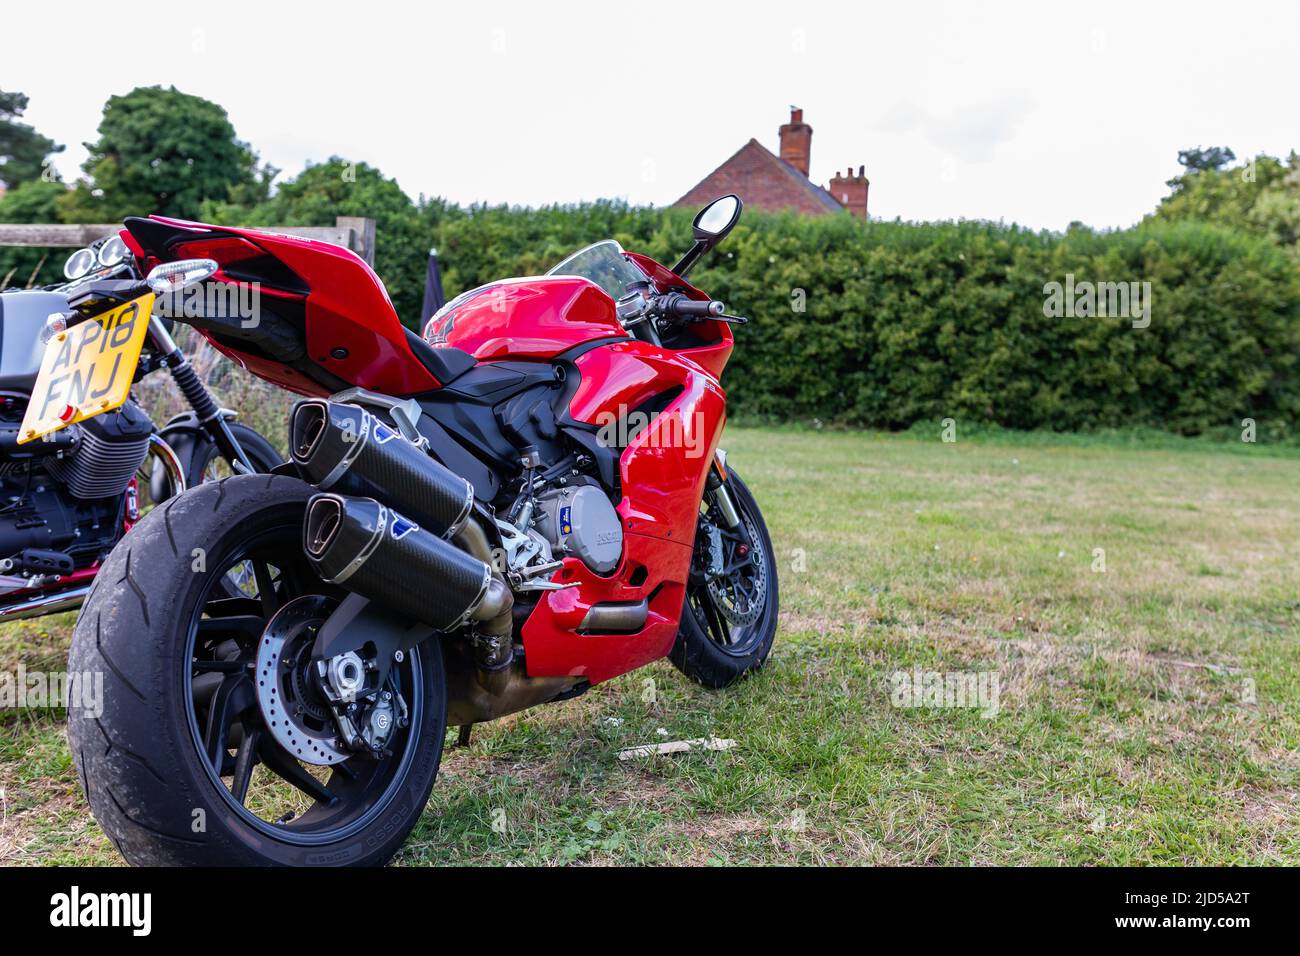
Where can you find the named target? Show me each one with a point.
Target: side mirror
(711, 226)
(715, 220)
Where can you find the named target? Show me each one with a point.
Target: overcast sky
(1034, 113)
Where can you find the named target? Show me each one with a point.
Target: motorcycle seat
(444, 364)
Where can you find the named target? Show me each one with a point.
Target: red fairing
(352, 329)
(662, 472)
(349, 309)
(537, 317)
(664, 278)
(552, 644)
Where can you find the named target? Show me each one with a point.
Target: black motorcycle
(67, 497)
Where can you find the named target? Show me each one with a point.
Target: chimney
(796, 141)
(850, 191)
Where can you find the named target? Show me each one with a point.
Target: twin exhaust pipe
(344, 449)
(403, 561)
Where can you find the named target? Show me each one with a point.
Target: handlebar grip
(692, 309)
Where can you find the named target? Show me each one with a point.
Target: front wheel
(216, 744)
(202, 459)
(729, 618)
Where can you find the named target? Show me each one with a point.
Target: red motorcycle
(526, 501)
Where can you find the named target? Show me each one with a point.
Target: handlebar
(677, 305)
(649, 316)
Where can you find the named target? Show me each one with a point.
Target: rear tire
(708, 649)
(140, 761)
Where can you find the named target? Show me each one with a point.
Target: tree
(1197, 160)
(1261, 197)
(33, 201)
(165, 152)
(22, 149)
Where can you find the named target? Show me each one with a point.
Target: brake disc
(295, 714)
(740, 606)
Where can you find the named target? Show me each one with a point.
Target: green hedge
(901, 323)
(910, 322)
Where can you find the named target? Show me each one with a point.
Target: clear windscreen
(604, 264)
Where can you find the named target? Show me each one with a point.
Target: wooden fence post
(352, 232)
(363, 230)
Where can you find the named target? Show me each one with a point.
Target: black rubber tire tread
(137, 761)
(698, 657)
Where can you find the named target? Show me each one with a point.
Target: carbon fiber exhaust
(345, 449)
(370, 549)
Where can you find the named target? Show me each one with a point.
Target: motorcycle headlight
(113, 252)
(79, 263)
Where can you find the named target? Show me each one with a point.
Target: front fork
(205, 407)
(717, 486)
(734, 532)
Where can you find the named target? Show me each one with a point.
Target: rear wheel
(216, 744)
(730, 615)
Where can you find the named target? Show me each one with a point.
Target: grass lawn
(1149, 691)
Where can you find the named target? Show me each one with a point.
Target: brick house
(770, 182)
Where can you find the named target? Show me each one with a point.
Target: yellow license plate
(87, 370)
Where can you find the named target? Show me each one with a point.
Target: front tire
(148, 762)
(728, 620)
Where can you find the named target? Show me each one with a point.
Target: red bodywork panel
(662, 469)
(662, 475)
(347, 308)
(665, 279)
(537, 317)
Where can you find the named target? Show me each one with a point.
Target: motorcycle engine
(113, 446)
(579, 520)
(61, 501)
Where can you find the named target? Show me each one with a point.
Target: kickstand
(463, 739)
